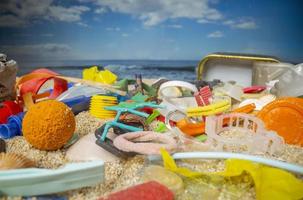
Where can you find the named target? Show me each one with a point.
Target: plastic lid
(285, 116)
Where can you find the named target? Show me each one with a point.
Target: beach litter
(102, 137)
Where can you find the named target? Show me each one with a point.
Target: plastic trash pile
(191, 119)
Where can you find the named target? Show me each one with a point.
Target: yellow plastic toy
(212, 109)
(97, 104)
(104, 76)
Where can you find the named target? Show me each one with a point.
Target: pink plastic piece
(203, 96)
(254, 89)
(256, 138)
(148, 142)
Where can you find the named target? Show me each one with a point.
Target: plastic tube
(223, 155)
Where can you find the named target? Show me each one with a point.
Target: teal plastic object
(124, 107)
(34, 181)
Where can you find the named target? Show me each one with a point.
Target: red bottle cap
(254, 89)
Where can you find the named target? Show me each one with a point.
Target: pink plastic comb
(203, 96)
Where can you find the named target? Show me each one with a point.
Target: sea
(149, 69)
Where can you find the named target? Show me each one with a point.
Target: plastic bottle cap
(13, 127)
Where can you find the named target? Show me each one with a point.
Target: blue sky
(143, 29)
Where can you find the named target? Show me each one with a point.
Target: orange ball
(48, 125)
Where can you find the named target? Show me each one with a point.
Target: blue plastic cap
(13, 127)
(8, 130)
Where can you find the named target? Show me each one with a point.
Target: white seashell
(14, 161)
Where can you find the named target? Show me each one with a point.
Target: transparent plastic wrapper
(78, 90)
(284, 78)
(263, 72)
(290, 82)
(188, 143)
(251, 135)
(234, 91)
(8, 71)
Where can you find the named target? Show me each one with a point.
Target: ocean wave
(164, 68)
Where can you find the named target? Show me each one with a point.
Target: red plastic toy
(146, 191)
(8, 108)
(254, 89)
(34, 85)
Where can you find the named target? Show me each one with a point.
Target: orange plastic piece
(194, 129)
(41, 95)
(28, 100)
(245, 109)
(285, 116)
(190, 128)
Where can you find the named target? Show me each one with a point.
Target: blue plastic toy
(78, 104)
(13, 127)
(123, 107)
(130, 108)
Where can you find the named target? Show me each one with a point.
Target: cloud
(113, 29)
(46, 51)
(246, 25)
(15, 13)
(125, 35)
(216, 34)
(154, 12)
(229, 22)
(11, 21)
(241, 24)
(204, 21)
(177, 26)
(71, 14)
(33, 35)
(101, 10)
(82, 24)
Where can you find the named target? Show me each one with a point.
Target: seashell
(14, 161)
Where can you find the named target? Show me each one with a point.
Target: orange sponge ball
(48, 125)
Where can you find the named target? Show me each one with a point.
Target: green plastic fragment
(139, 97)
(153, 116)
(123, 85)
(160, 128)
(201, 138)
